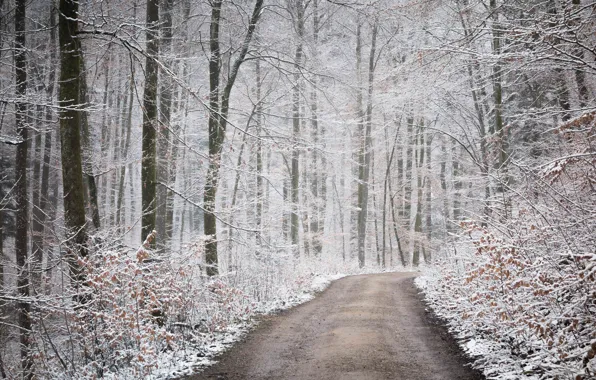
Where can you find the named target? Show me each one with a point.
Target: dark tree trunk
(218, 118)
(39, 219)
(20, 191)
(209, 220)
(70, 135)
(149, 162)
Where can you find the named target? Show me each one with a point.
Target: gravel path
(362, 327)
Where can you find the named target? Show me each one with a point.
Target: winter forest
(171, 168)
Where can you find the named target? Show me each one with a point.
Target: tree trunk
(443, 180)
(318, 173)
(149, 159)
(498, 97)
(165, 107)
(122, 180)
(365, 151)
(428, 203)
(481, 128)
(457, 183)
(296, 90)
(20, 191)
(70, 134)
(174, 147)
(218, 118)
(86, 145)
(259, 158)
(386, 193)
(419, 187)
(38, 227)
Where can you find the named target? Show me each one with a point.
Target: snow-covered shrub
(527, 286)
(148, 314)
(133, 301)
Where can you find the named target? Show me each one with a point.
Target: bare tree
(149, 159)
(219, 105)
(70, 143)
(20, 189)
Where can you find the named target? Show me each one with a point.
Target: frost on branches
(522, 294)
(151, 315)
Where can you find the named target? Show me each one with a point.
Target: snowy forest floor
(372, 326)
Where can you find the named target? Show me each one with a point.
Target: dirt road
(362, 327)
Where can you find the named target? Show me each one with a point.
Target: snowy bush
(527, 287)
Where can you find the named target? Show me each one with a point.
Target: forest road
(362, 327)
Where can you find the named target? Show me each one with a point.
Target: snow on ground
(191, 359)
(490, 357)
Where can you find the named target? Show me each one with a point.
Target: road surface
(365, 327)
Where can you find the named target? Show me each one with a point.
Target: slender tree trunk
(296, 92)
(443, 180)
(237, 180)
(116, 148)
(498, 97)
(375, 207)
(428, 203)
(182, 100)
(481, 129)
(70, 143)
(318, 173)
(457, 183)
(38, 228)
(386, 193)
(122, 180)
(359, 137)
(105, 129)
(149, 159)
(86, 145)
(165, 107)
(365, 153)
(419, 188)
(306, 233)
(20, 191)
(402, 256)
(259, 158)
(285, 223)
(407, 195)
(218, 118)
(36, 220)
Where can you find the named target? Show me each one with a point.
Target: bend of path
(362, 327)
